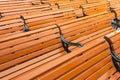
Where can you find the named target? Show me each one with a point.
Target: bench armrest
(66, 43)
(115, 57)
(26, 28)
(115, 22)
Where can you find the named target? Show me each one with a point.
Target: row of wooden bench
(79, 1)
(39, 53)
(79, 10)
(51, 1)
(14, 24)
(33, 20)
(35, 2)
(42, 53)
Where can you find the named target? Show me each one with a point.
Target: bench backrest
(10, 25)
(20, 48)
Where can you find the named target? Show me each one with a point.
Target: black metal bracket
(83, 12)
(115, 57)
(26, 28)
(116, 21)
(66, 43)
(57, 5)
(1, 15)
(113, 10)
(42, 2)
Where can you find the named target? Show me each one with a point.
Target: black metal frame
(57, 5)
(116, 21)
(66, 43)
(115, 57)
(26, 28)
(1, 15)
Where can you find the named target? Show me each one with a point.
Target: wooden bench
(17, 67)
(25, 46)
(68, 66)
(76, 65)
(80, 67)
(43, 62)
(85, 9)
(72, 4)
(24, 10)
(14, 24)
(39, 54)
(96, 7)
(72, 31)
(46, 22)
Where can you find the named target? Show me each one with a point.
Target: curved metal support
(116, 21)
(57, 5)
(113, 10)
(26, 28)
(115, 57)
(66, 43)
